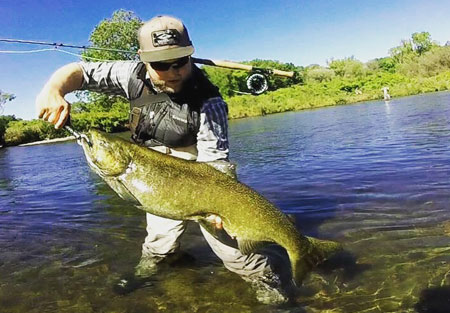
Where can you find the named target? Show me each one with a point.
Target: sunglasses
(162, 66)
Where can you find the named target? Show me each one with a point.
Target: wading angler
(175, 110)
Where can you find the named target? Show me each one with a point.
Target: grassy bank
(334, 92)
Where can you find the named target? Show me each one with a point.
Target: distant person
(386, 93)
(195, 128)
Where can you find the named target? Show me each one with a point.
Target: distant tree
(422, 42)
(4, 121)
(402, 52)
(387, 64)
(347, 67)
(5, 97)
(409, 50)
(320, 74)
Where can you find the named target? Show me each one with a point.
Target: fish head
(106, 154)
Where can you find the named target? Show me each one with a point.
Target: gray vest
(155, 119)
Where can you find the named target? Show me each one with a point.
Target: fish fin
(323, 249)
(219, 234)
(247, 246)
(316, 252)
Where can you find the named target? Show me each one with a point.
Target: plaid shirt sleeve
(212, 138)
(111, 78)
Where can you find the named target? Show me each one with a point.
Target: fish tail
(312, 252)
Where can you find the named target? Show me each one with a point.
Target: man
(177, 111)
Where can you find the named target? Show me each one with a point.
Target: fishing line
(54, 49)
(24, 51)
(55, 44)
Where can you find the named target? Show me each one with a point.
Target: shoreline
(47, 141)
(257, 113)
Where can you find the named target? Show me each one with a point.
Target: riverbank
(334, 92)
(48, 141)
(296, 98)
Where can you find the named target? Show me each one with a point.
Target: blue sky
(302, 32)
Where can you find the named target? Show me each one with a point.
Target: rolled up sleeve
(111, 78)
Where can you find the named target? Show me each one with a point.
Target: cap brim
(166, 54)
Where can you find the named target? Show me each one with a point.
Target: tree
(120, 33)
(5, 97)
(402, 52)
(320, 74)
(409, 50)
(347, 67)
(422, 42)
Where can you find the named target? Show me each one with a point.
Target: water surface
(373, 176)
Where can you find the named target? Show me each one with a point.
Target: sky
(302, 32)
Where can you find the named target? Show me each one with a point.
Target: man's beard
(160, 86)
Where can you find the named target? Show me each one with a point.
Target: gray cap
(164, 38)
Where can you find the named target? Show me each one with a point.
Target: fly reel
(257, 82)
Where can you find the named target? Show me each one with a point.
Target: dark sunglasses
(161, 66)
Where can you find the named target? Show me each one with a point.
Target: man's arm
(212, 137)
(111, 78)
(50, 103)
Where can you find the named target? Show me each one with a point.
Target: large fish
(184, 190)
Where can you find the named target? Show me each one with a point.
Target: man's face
(169, 76)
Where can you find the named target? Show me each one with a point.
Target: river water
(373, 176)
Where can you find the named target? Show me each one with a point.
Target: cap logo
(166, 37)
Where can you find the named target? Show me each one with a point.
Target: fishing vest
(159, 119)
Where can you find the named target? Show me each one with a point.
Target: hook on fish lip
(79, 137)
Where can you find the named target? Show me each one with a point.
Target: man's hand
(215, 220)
(52, 107)
(50, 103)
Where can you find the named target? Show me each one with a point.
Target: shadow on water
(434, 300)
(346, 263)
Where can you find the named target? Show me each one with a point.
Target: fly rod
(257, 81)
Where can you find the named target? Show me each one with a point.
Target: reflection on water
(374, 176)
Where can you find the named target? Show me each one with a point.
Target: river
(373, 176)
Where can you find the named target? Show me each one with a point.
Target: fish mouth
(88, 148)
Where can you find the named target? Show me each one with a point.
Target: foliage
(422, 42)
(228, 81)
(336, 91)
(386, 64)
(348, 67)
(19, 132)
(111, 120)
(4, 121)
(119, 32)
(231, 82)
(431, 63)
(409, 50)
(319, 74)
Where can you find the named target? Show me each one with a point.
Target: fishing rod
(257, 81)
(63, 45)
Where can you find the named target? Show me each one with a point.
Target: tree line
(415, 66)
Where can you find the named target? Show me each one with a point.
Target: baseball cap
(164, 38)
